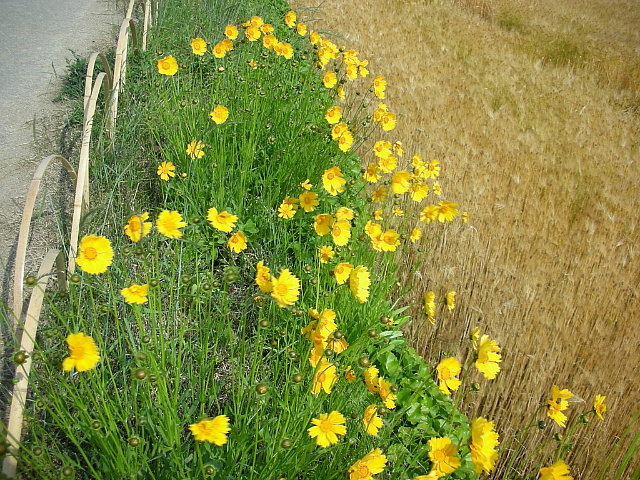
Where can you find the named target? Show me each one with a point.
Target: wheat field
(533, 109)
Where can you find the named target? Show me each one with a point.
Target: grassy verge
(181, 366)
(185, 337)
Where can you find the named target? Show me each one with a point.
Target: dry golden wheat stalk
(542, 151)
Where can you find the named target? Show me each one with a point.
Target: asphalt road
(36, 38)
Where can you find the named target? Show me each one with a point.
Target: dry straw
(542, 152)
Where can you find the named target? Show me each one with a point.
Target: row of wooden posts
(56, 261)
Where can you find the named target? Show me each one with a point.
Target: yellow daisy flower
(137, 227)
(83, 353)
(135, 293)
(94, 254)
(169, 222)
(166, 170)
(211, 430)
(327, 428)
(237, 242)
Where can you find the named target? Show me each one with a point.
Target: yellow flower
(371, 379)
(377, 214)
(388, 163)
(83, 353)
(252, 33)
(286, 288)
(286, 210)
(345, 141)
(442, 454)
(397, 147)
(382, 149)
(231, 32)
(195, 149)
(333, 115)
(342, 271)
(320, 329)
(329, 80)
(326, 254)
(372, 422)
(94, 254)
(256, 21)
(301, 28)
(269, 41)
(327, 428)
(450, 300)
(286, 50)
(306, 185)
(359, 282)
(219, 114)
(430, 306)
(237, 242)
(379, 195)
(341, 232)
(379, 86)
(323, 223)
(337, 345)
(475, 335)
(290, 19)
(314, 38)
(219, 50)
(223, 221)
(337, 130)
(419, 191)
(333, 180)
(379, 112)
(433, 170)
(349, 374)
(436, 188)
(324, 378)
(387, 396)
(166, 170)
(389, 240)
(263, 278)
(429, 214)
(488, 358)
(447, 370)
(211, 430)
(351, 72)
(198, 46)
(135, 293)
(340, 92)
(344, 213)
(267, 28)
(557, 404)
(398, 212)
(137, 227)
(557, 471)
(599, 407)
(371, 464)
(388, 121)
(167, 65)
(308, 201)
(483, 445)
(400, 182)
(371, 173)
(415, 234)
(169, 222)
(465, 217)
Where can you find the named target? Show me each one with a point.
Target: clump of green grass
(563, 52)
(511, 21)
